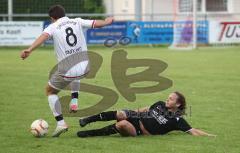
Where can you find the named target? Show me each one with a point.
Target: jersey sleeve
(183, 125)
(86, 23)
(49, 30)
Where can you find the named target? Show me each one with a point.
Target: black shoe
(83, 122)
(83, 134)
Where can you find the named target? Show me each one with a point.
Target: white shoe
(59, 130)
(73, 106)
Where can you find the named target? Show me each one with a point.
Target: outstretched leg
(124, 127)
(108, 130)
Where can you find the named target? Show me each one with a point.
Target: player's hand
(25, 53)
(109, 20)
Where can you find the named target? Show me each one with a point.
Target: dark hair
(56, 11)
(182, 101)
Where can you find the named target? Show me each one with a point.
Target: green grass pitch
(209, 78)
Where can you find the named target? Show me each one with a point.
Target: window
(125, 6)
(210, 5)
(187, 5)
(216, 5)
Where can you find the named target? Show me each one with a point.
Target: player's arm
(198, 132)
(102, 23)
(26, 52)
(183, 125)
(144, 109)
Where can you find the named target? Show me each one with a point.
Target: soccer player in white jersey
(69, 41)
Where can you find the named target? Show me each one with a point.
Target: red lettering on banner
(227, 26)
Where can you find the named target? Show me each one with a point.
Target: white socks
(61, 123)
(55, 106)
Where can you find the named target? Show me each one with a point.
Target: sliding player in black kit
(158, 119)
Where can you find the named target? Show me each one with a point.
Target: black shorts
(134, 119)
(136, 123)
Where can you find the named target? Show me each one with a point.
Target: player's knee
(122, 125)
(49, 90)
(125, 128)
(121, 115)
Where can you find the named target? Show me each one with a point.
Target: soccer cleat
(73, 106)
(83, 122)
(59, 130)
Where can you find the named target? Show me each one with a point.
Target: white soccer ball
(39, 128)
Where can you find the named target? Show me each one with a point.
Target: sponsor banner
(150, 32)
(113, 31)
(224, 32)
(19, 33)
(146, 32)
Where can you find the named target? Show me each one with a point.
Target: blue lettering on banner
(114, 31)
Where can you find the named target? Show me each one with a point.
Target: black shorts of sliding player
(136, 123)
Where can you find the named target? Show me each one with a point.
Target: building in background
(127, 10)
(158, 10)
(217, 21)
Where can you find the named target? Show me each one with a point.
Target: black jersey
(160, 121)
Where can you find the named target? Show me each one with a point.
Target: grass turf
(209, 77)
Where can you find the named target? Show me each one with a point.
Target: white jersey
(68, 40)
(68, 36)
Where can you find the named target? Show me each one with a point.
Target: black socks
(59, 117)
(108, 130)
(75, 95)
(104, 116)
